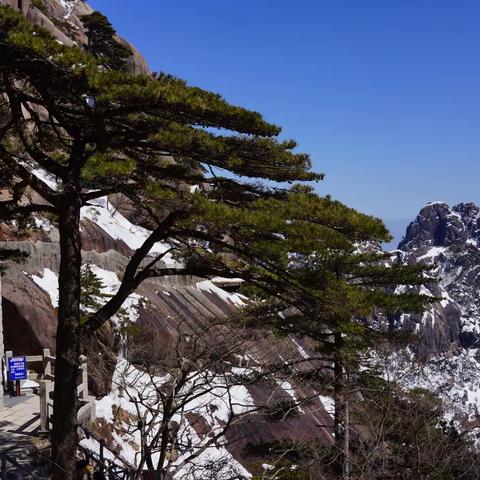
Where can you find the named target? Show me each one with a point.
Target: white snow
(46, 178)
(208, 286)
(300, 349)
(432, 253)
(328, 403)
(208, 395)
(224, 280)
(425, 291)
(111, 283)
(29, 384)
(48, 282)
(446, 299)
(103, 214)
(69, 6)
(43, 223)
(288, 388)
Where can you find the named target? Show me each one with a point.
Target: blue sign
(17, 368)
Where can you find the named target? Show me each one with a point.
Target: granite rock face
(446, 358)
(160, 310)
(438, 225)
(448, 239)
(62, 19)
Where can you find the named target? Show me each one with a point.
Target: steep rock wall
(62, 19)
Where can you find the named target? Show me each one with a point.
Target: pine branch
(15, 167)
(130, 281)
(9, 209)
(20, 122)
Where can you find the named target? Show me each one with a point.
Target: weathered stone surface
(446, 238)
(435, 225)
(62, 19)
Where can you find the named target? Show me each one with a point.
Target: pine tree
(92, 294)
(101, 131)
(337, 295)
(102, 42)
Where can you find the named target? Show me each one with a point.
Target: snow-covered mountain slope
(448, 239)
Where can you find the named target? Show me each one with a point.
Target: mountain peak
(437, 225)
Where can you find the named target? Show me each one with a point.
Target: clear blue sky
(385, 95)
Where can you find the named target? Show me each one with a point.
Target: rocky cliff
(62, 19)
(161, 311)
(448, 240)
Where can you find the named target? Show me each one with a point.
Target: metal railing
(9, 464)
(112, 464)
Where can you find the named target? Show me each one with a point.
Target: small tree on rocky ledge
(102, 42)
(92, 295)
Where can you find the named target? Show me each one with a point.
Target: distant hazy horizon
(397, 228)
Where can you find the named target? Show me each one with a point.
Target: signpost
(17, 370)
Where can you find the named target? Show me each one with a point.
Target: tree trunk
(341, 415)
(68, 342)
(164, 447)
(346, 440)
(338, 393)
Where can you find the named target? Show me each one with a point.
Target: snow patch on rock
(69, 6)
(47, 178)
(104, 215)
(235, 298)
(328, 403)
(48, 281)
(209, 397)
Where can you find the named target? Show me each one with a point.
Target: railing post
(45, 388)
(88, 413)
(84, 382)
(8, 354)
(47, 363)
(44, 391)
(4, 467)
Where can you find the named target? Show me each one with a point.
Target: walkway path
(19, 425)
(20, 415)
